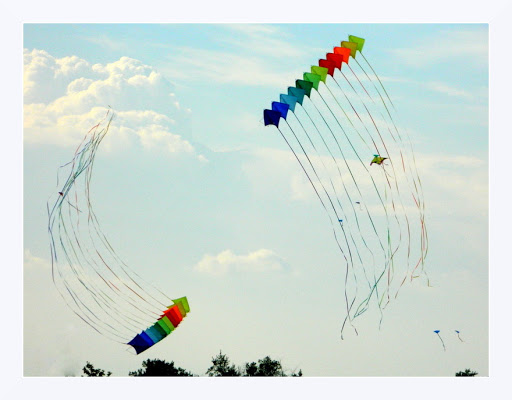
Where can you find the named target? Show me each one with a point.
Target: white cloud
(45, 78)
(65, 97)
(151, 130)
(262, 260)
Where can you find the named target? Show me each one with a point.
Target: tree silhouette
(264, 367)
(89, 370)
(220, 367)
(158, 367)
(466, 372)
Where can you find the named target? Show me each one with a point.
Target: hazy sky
(203, 200)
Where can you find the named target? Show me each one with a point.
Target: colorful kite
(168, 321)
(95, 283)
(339, 117)
(377, 159)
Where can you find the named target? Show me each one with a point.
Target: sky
(204, 201)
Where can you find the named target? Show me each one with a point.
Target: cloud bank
(64, 97)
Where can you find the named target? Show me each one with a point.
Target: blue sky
(190, 173)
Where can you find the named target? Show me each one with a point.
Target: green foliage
(264, 367)
(220, 367)
(89, 370)
(466, 372)
(159, 368)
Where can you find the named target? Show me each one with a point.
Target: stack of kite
(312, 80)
(169, 320)
(93, 280)
(354, 125)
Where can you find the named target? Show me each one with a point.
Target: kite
(437, 333)
(378, 159)
(100, 288)
(168, 321)
(333, 116)
(458, 335)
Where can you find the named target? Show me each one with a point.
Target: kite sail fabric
(100, 288)
(334, 119)
(378, 159)
(165, 325)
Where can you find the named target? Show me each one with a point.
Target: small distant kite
(458, 335)
(437, 332)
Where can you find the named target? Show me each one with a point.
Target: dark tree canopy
(466, 372)
(264, 367)
(220, 367)
(89, 370)
(158, 367)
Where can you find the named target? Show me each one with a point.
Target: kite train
(343, 129)
(92, 279)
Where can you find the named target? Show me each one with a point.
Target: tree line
(221, 366)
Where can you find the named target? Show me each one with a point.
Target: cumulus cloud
(45, 78)
(64, 97)
(262, 260)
